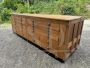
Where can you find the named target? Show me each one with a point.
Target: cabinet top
(48, 16)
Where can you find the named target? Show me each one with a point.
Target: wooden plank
(54, 25)
(24, 27)
(13, 23)
(62, 43)
(41, 22)
(41, 37)
(80, 31)
(30, 29)
(62, 34)
(41, 32)
(53, 41)
(18, 24)
(52, 17)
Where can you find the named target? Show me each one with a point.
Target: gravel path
(18, 53)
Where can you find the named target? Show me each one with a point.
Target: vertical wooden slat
(71, 26)
(53, 36)
(13, 23)
(80, 31)
(15, 20)
(18, 24)
(62, 34)
(24, 27)
(62, 41)
(29, 29)
(41, 32)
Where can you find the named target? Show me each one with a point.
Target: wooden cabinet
(58, 34)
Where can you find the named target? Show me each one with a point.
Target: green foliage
(72, 7)
(10, 4)
(44, 7)
(5, 14)
(68, 10)
(22, 8)
(67, 7)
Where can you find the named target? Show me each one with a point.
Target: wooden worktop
(57, 17)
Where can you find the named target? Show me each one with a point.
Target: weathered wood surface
(58, 34)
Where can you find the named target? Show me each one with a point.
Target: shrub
(36, 8)
(5, 14)
(22, 8)
(10, 4)
(68, 10)
(44, 7)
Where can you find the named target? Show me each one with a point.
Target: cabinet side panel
(63, 36)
